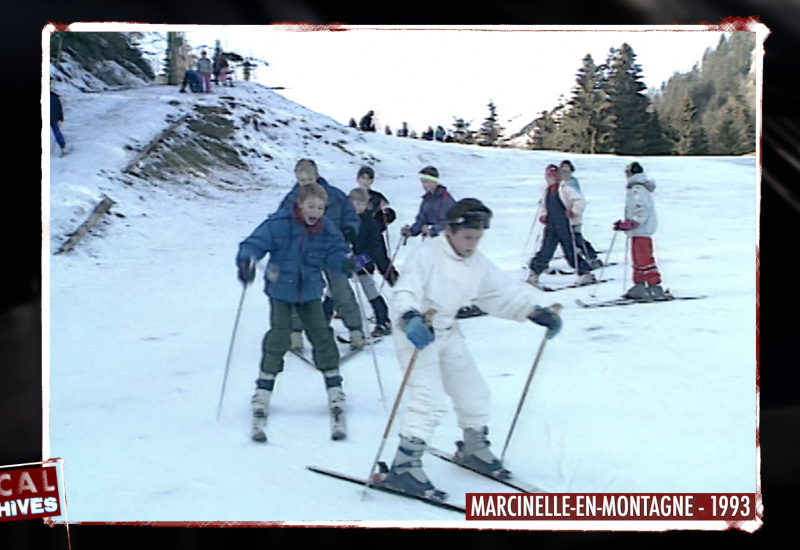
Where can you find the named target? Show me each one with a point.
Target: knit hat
(470, 214)
(634, 168)
(568, 163)
(429, 173)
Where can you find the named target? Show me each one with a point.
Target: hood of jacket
(643, 180)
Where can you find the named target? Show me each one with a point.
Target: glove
(353, 263)
(546, 317)
(416, 331)
(543, 220)
(247, 271)
(349, 235)
(405, 231)
(626, 225)
(571, 215)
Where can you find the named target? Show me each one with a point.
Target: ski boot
(474, 453)
(381, 330)
(336, 399)
(260, 404)
(587, 278)
(638, 292)
(357, 341)
(406, 473)
(656, 292)
(533, 280)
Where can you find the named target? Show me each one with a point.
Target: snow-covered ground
(650, 398)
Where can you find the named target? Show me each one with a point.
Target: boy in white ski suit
(443, 274)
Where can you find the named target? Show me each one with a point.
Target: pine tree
(637, 129)
(490, 132)
(587, 124)
(461, 132)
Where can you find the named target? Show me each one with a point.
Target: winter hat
(429, 173)
(470, 214)
(568, 163)
(634, 168)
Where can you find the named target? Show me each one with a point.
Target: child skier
(435, 203)
(378, 208)
(566, 170)
(370, 243)
(639, 225)
(560, 203)
(442, 274)
(56, 118)
(343, 215)
(301, 242)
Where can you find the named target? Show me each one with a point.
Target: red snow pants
(644, 264)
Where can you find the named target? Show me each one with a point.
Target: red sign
(29, 493)
(611, 506)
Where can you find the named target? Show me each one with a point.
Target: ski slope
(650, 398)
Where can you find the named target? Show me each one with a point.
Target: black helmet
(469, 214)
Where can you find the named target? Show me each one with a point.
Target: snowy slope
(651, 398)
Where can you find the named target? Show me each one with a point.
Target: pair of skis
(337, 422)
(630, 301)
(439, 498)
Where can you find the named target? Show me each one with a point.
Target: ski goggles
(477, 219)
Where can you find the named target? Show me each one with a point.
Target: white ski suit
(435, 277)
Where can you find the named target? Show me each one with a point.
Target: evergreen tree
(733, 134)
(461, 132)
(637, 129)
(587, 124)
(490, 132)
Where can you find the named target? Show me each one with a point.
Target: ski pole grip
(428, 317)
(556, 308)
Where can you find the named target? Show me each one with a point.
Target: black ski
(378, 485)
(550, 288)
(514, 484)
(629, 301)
(562, 271)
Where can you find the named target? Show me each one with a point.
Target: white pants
(443, 368)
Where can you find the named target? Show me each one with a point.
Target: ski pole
(357, 283)
(608, 255)
(556, 308)
(428, 318)
(230, 349)
(391, 261)
(625, 262)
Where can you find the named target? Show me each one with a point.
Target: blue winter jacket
(339, 208)
(432, 210)
(298, 255)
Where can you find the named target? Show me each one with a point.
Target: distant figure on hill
(440, 133)
(403, 132)
(204, 69)
(352, 123)
(56, 118)
(192, 80)
(428, 134)
(366, 124)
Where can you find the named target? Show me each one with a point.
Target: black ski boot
(407, 474)
(474, 453)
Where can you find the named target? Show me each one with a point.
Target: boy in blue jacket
(343, 215)
(302, 242)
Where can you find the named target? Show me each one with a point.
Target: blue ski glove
(247, 271)
(416, 331)
(546, 317)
